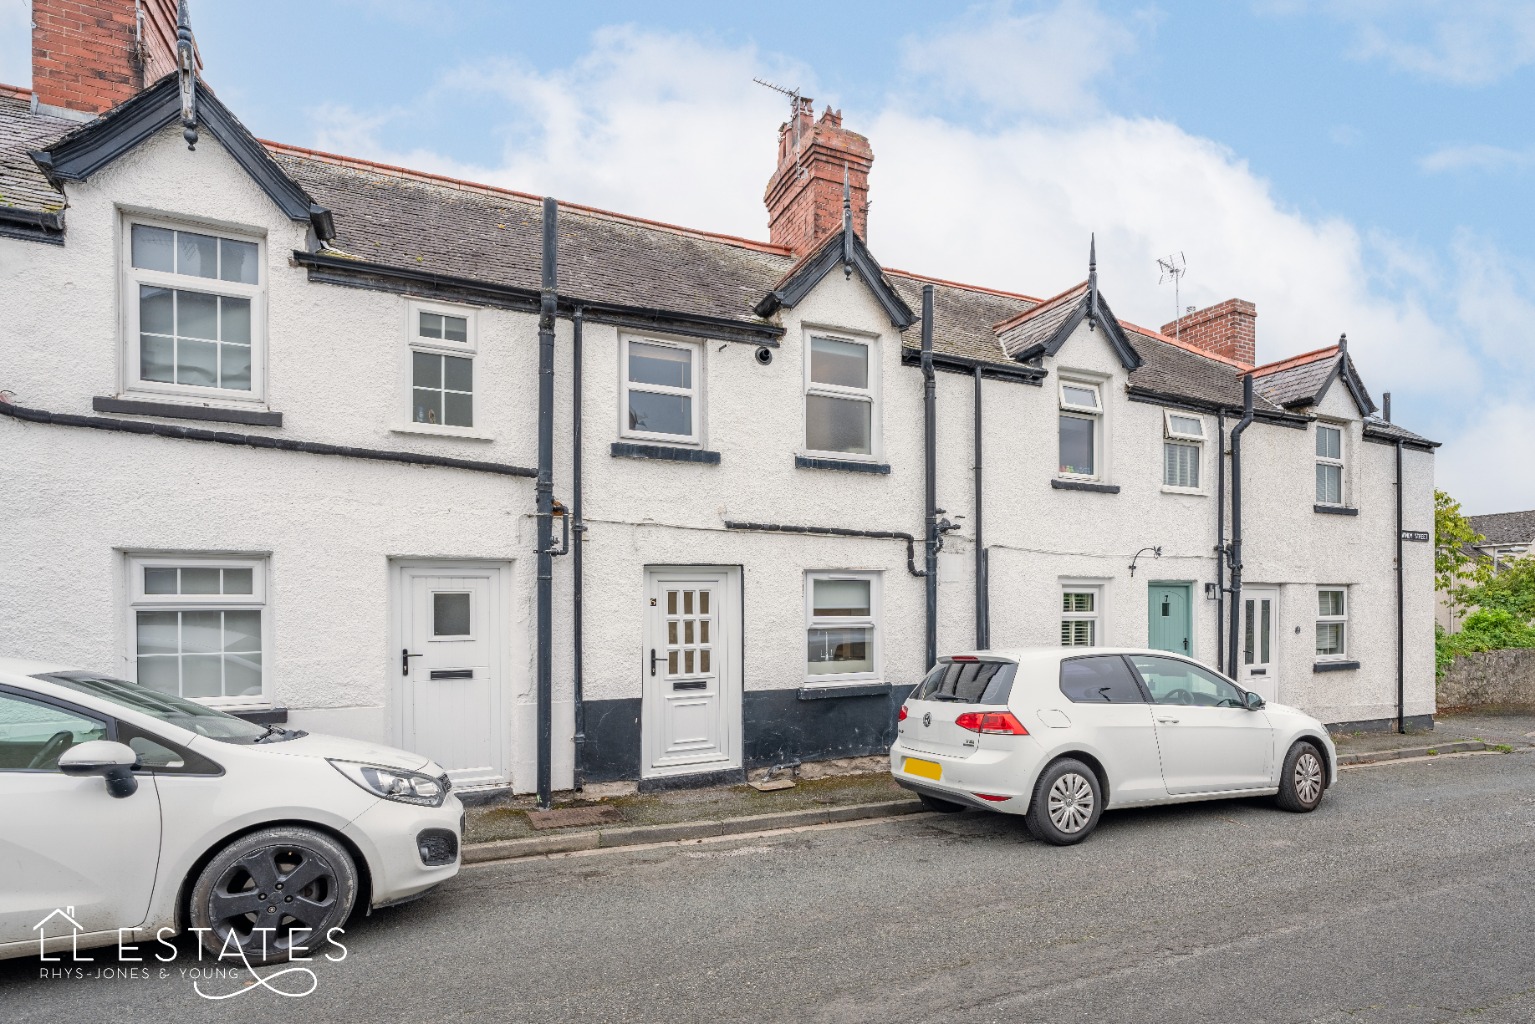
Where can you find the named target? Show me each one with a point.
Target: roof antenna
(795, 102)
(1174, 267)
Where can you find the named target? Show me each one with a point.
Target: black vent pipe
(544, 492)
(1233, 635)
(578, 531)
(1220, 539)
(1401, 593)
(982, 583)
(930, 468)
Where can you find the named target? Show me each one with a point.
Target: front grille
(437, 846)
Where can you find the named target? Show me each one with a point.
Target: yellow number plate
(926, 769)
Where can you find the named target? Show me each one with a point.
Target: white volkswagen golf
(1059, 735)
(139, 815)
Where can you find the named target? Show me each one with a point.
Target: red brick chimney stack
(1225, 329)
(90, 55)
(804, 197)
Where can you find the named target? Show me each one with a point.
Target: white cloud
(669, 126)
(1043, 62)
(1477, 158)
(16, 42)
(1485, 464)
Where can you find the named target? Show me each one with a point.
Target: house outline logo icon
(41, 927)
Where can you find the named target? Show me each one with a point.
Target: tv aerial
(1173, 268)
(796, 100)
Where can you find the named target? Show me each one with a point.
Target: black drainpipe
(578, 531)
(544, 491)
(1401, 611)
(1220, 539)
(930, 466)
(1234, 639)
(982, 584)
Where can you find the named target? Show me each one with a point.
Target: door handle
(652, 661)
(405, 657)
(1185, 643)
(1168, 721)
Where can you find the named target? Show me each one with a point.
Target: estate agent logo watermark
(231, 963)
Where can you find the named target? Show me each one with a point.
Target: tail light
(992, 723)
(902, 716)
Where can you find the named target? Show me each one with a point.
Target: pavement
(1403, 899)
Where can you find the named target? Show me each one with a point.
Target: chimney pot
(804, 196)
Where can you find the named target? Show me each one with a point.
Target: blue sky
(1361, 165)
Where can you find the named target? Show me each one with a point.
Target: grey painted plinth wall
(1491, 680)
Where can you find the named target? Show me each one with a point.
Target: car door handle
(1168, 721)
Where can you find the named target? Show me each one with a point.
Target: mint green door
(1169, 618)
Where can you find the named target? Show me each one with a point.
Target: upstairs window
(841, 400)
(1182, 451)
(661, 390)
(842, 626)
(1329, 465)
(1080, 616)
(194, 316)
(1332, 623)
(1081, 429)
(442, 349)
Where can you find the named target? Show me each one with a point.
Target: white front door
(1258, 666)
(690, 670)
(453, 661)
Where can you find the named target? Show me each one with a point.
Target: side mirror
(112, 761)
(1254, 702)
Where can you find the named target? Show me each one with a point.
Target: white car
(1059, 734)
(130, 815)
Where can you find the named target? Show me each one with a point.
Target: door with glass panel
(690, 671)
(1257, 668)
(452, 661)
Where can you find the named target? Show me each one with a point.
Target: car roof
(1037, 655)
(26, 667)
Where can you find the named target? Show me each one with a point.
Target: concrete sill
(1334, 510)
(842, 465)
(663, 453)
(1083, 485)
(259, 716)
(430, 430)
(180, 411)
(1335, 666)
(824, 691)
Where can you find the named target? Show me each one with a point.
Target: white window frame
(468, 349)
(695, 350)
(873, 620)
(1098, 418)
(1096, 616)
(256, 600)
(1341, 462)
(132, 277)
(1183, 438)
(1342, 620)
(870, 394)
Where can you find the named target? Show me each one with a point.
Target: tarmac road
(1406, 897)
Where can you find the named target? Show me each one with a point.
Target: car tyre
(932, 803)
(1303, 780)
(285, 879)
(1067, 803)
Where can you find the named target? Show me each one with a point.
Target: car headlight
(397, 784)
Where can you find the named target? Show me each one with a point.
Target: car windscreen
(968, 682)
(178, 711)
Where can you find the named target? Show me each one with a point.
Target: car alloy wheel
(1303, 780)
(1071, 803)
(1308, 776)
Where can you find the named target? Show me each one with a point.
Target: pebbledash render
(270, 436)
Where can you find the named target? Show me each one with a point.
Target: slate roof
(415, 222)
(1296, 381)
(1505, 527)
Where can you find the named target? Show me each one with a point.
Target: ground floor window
(1080, 615)
(197, 626)
(1332, 622)
(841, 626)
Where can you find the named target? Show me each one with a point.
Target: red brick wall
(1226, 329)
(803, 209)
(87, 54)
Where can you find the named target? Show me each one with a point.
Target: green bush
(1490, 629)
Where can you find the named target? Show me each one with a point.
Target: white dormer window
(194, 314)
(440, 373)
(1081, 430)
(1329, 465)
(1182, 451)
(842, 398)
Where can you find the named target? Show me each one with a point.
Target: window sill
(187, 411)
(826, 691)
(258, 715)
(1192, 492)
(1083, 485)
(429, 430)
(842, 465)
(1335, 666)
(663, 453)
(1334, 510)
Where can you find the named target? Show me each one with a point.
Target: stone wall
(1493, 679)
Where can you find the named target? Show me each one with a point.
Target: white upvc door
(1258, 660)
(690, 671)
(453, 663)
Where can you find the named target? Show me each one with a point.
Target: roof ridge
(1014, 321)
(462, 184)
(913, 275)
(1289, 362)
(15, 91)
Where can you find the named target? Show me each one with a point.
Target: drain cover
(569, 817)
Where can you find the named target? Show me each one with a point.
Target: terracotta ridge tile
(960, 284)
(1185, 346)
(1014, 321)
(1290, 362)
(16, 92)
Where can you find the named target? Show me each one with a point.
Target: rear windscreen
(968, 682)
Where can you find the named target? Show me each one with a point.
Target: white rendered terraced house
(276, 441)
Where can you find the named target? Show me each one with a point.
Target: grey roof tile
(22, 184)
(1506, 527)
(1296, 384)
